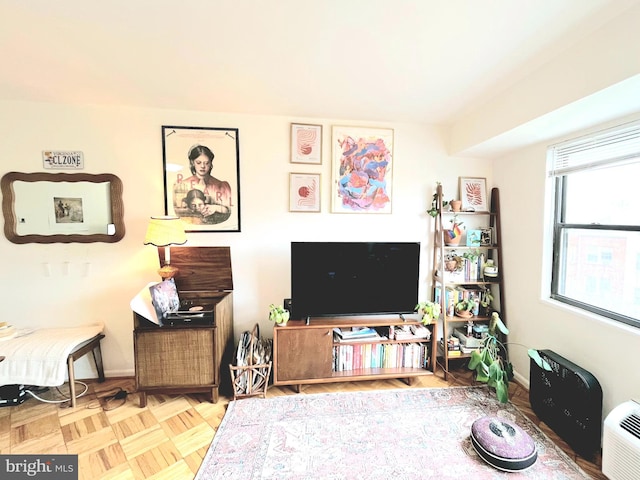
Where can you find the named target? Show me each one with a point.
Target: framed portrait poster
(473, 193)
(306, 143)
(361, 170)
(304, 192)
(202, 177)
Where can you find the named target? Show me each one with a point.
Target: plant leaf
(541, 362)
(481, 376)
(476, 358)
(495, 372)
(502, 391)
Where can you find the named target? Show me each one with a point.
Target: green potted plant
(464, 307)
(491, 361)
(278, 315)
(486, 297)
(453, 235)
(433, 211)
(430, 312)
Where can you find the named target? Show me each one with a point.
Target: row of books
(455, 348)
(380, 355)
(454, 295)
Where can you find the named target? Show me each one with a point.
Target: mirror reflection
(62, 207)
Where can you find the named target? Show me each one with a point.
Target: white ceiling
(424, 61)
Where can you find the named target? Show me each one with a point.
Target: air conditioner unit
(621, 442)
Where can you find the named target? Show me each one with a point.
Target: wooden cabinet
(306, 354)
(190, 358)
(446, 286)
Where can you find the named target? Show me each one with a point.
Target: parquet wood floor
(170, 436)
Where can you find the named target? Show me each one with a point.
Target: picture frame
(202, 177)
(304, 192)
(306, 143)
(473, 238)
(486, 237)
(473, 194)
(361, 169)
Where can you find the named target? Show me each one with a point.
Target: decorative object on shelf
(473, 193)
(456, 205)
(464, 308)
(304, 192)
(491, 361)
(278, 315)
(430, 312)
(163, 232)
(473, 238)
(486, 237)
(306, 144)
(490, 270)
(453, 262)
(362, 169)
(202, 177)
(453, 235)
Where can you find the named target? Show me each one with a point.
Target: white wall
(127, 143)
(605, 348)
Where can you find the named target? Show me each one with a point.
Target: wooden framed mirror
(62, 207)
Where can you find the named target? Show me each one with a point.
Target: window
(596, 226)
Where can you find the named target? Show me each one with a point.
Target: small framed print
(486, 237)
(306, 143)
(473, 193)
(304, 192)
(473, 238)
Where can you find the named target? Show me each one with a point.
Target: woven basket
(250, 380)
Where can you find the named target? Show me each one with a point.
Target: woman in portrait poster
(218, 199)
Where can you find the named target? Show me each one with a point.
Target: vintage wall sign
(63, 160)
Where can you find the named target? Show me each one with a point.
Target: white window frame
(612, 147)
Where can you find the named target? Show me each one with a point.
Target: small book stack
(355, 334)
(6, 331)
(453, 347)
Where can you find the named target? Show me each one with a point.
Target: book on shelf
(367, 339)
(379, 355)
(468, 350)
(356, 332)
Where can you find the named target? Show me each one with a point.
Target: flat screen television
(353, 278)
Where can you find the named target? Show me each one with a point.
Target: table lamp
(163, 232)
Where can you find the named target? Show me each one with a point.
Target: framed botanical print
(202, 177)
(306, 143)
(361, 169)
(473, 193)
(304, 192)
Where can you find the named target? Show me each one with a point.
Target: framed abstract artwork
(202, 177)
(304, 192)
(361, 170)
(473, 193)
(306, 143)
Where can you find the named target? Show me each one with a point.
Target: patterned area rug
(387, 434)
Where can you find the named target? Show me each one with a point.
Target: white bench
(43, 357)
